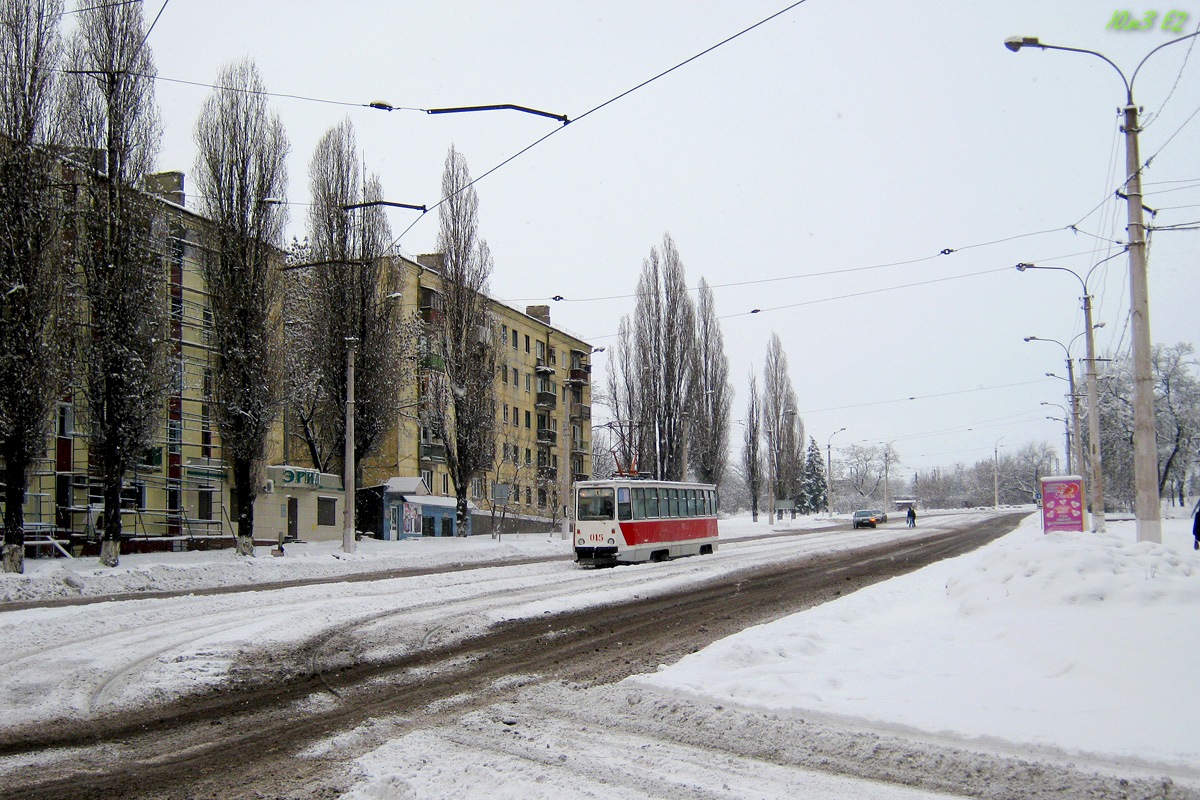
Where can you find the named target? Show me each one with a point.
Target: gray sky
(813, 168)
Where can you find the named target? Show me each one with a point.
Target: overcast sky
(813, 168)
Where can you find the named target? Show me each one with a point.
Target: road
(422, 653)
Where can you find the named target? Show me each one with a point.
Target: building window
(445, 483)
(516, 378)
(541, 350)
(503, 331)
(506, 413)
(504, 374)
(527, 343)
(427, 478)
(204, 503)
(528, 456)
(327, 511)
(476, 488)
(516, 417)
(528, 420)
(514, 338)
(528, 495)
(133, 497)
(66, 420)
(528, 382)
(174, 436)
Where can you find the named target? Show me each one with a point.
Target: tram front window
(595, 504)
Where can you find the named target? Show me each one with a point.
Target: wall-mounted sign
(300, 477)
(1062, 504)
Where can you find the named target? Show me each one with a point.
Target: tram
(627, 520)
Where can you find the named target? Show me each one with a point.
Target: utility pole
(348, 478)
(1145, 444)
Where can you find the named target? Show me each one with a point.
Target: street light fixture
(1145, 455)
(1093, 392)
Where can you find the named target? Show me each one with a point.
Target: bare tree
(624, 400)
(782, 426)
(240, 168)
(752, 462)
(709, 433)
(109, 95)
(864, 469)
(664, 336)
(34, 325)
(462, 400)
(342, 300)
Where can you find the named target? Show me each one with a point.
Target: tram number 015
(596, 537)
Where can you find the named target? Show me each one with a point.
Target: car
(864, 519)
(880, 515)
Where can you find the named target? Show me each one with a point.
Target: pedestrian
(1196, 526)
(912, 516)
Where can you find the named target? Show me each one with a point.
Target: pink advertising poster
(1062, 503)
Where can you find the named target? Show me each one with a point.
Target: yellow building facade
(179, 494)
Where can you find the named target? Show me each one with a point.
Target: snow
(1075, 647)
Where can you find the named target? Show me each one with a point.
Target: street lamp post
(1065, 419)
(1145, 446)
(1093, 394)
(829, 472)
(1078, 448)
(996, 473)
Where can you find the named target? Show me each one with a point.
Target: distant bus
(627, 520)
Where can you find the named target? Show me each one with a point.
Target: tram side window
(652, 502)
(692, 510)
(708, 503)
(595, 504)
(673, 494)
(624, 506)
(639, 503)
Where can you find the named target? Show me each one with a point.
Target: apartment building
(178, 495)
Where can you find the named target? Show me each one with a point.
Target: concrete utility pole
(1145, 445)
(348, 541)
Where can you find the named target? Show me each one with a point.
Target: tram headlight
(612, 541)
(581, 540)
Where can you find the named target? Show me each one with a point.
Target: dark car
(864, 519)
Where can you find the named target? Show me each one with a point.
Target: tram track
(184, 749)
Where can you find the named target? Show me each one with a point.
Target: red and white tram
(627, 519)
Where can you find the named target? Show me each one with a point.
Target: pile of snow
(1080, 644)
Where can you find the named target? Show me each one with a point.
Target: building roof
(407, 486)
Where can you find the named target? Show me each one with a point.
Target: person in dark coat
(912, 517)
(1196, 527)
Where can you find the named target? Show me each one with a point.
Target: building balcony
(547, 473)
(547, 437)
(580, 446)
(580, 411)
(546, 399)
(543, 368)
(580, 476)
(433, 452)
(579, 374)
(431, 315)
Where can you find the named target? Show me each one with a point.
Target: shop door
(293, 523)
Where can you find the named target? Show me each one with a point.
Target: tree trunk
(243, 475)
(14, 516)
(110, 538)
(462, 520)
